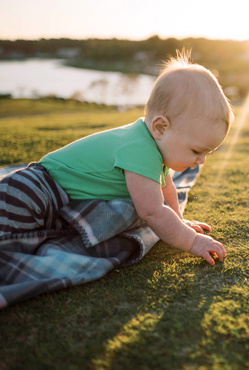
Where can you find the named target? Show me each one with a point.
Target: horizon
(123, 39)
(82, 20)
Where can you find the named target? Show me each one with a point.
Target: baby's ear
(159, 126)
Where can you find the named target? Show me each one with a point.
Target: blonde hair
(183, 88)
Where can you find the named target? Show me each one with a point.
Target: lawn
(171, 310)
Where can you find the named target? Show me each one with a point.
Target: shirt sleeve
(141, 159)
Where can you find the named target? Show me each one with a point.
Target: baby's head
(187, 101)
(189, 90)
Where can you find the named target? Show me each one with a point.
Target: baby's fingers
(205, 246)
(219, 250)
(203, 225)
(208, 258)
(197, 228)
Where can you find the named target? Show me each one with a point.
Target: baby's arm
(171, 197)
(148, 200)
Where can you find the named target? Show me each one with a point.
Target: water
(36, 78)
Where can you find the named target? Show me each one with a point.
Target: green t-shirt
(93, 167)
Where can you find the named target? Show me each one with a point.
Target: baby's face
(186, 144)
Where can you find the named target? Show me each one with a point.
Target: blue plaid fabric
(79, 241)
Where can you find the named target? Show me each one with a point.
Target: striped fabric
(30, 200)
(48, 242)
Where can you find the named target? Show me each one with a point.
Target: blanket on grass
(98, 236)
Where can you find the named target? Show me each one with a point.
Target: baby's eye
(196, 151)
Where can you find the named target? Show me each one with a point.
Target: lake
(35, 78)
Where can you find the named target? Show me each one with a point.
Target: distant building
(68, 52)
(143, 56)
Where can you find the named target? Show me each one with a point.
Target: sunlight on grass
(171, 310)
(130, 335)
(239, 123)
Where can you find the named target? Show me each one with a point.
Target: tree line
(229, 58)
(207, 49)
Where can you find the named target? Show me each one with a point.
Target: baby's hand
(197, 226)
(204, 245)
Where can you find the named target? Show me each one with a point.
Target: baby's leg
(29, 200)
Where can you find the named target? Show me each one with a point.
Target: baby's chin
(180, 168)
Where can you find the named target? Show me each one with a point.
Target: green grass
(31, 128)
(170, 311)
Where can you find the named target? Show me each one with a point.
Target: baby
(187, 117)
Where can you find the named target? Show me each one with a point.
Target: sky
(124, 19)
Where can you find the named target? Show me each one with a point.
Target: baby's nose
(201, 159)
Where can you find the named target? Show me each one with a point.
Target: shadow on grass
(182, 321)
(163, 313)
